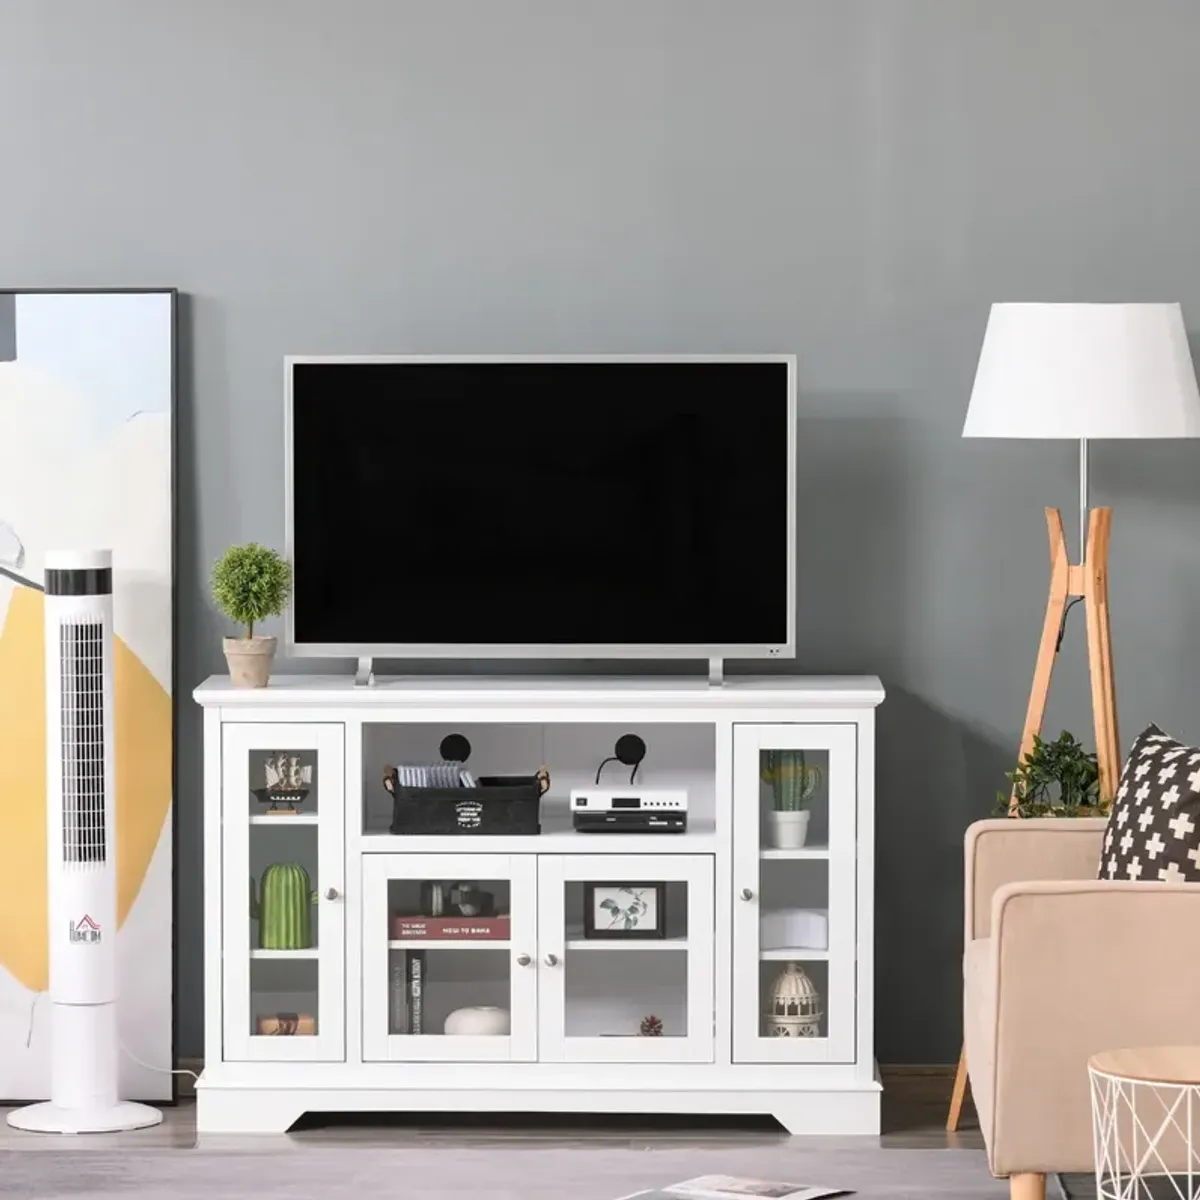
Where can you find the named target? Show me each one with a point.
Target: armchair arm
(1079, 967)
(1006, 850)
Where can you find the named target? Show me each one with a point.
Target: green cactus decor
(794, 781)
(282, 906)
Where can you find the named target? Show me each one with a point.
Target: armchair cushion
(1153, 830)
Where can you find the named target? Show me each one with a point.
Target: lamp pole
(1083, 496)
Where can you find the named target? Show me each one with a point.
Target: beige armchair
(1058, 966)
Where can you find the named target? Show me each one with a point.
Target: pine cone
(651, 1026)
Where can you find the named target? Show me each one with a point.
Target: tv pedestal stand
(364, 674)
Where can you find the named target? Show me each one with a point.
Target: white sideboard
(578, 1037)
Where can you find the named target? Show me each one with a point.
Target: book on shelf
(398, 994)
(416, 985)
(458, 928)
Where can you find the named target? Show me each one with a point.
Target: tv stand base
(274, 1109)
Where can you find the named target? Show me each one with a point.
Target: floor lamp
(1082, 372)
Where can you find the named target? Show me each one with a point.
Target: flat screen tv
(566, 507)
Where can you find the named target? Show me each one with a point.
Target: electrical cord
(32, 1014)
(1062, 625)
(161, 1070)
(614, 758)
(124, 1048)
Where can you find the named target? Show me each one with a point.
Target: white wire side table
(1145, 1108)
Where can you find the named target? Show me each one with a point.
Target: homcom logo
(85, 930)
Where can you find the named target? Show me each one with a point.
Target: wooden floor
(914, 1117)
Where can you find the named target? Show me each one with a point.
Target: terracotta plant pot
(249, 660)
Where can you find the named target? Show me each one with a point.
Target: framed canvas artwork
(87, 438)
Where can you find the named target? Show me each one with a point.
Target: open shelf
(679, 755)
(284, 955)
(575, 941)
(282, 820)
(810, 852)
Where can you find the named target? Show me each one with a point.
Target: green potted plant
(794, 782)
(249, 584)
(1055, 779)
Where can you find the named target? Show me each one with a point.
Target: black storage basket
(501, 804)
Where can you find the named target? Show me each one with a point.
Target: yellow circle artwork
(142, 710)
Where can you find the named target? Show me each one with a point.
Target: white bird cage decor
(795, 1009)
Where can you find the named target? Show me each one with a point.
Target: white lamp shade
(1084, 371)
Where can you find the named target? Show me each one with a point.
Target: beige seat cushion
(979, 1028)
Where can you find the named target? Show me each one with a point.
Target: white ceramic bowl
(483, 1021)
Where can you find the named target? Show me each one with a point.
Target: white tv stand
(576, 1004)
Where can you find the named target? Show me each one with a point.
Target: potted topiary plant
(249, 584)
(1055, 779)
(794, 782)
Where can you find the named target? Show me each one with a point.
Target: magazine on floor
(731, 1187)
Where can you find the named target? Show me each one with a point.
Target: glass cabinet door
(626, 968)
(283, 927)
(449, 957)
(794, 859)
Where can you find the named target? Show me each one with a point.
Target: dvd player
(629, 809)
(625, 821)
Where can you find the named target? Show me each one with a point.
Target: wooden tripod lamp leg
(1043, 669)
(1035, 712)
(1100, 664)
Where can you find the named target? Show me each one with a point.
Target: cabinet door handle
(331, 894)
(747, 894)
(552, 960)
(523, 960)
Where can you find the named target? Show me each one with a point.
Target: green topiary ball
(251, 583)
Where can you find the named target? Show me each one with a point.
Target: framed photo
(625, 911)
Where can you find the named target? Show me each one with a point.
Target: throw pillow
(1154, 826)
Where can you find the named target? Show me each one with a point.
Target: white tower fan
(81, 851)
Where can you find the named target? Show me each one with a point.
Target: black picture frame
(590, 930)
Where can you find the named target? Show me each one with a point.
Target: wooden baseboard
(910, 1070)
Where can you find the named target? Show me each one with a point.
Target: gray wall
(851, 181)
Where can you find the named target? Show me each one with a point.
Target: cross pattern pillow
(1154, 827)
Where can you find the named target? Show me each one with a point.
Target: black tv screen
(503, 504)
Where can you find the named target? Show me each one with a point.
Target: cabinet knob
(552, 960)
(523, 960)
(331, 894)
(747, 894)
